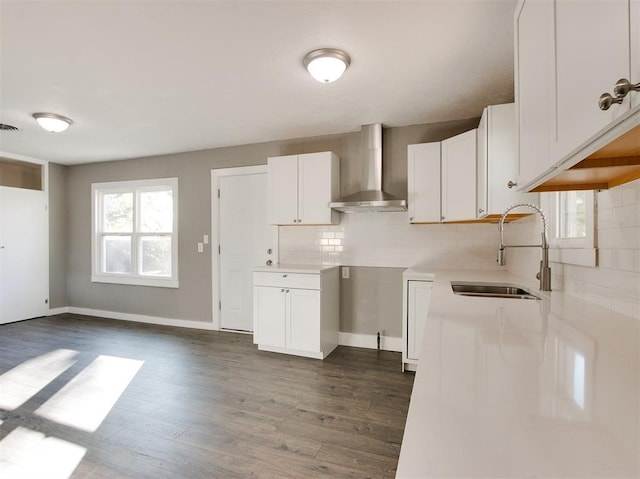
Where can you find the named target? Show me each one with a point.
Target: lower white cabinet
(415, 307)
(296, 313)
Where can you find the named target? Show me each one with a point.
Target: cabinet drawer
(287, 280)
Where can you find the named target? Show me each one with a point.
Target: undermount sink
(491, 290)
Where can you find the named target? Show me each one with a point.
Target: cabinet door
(502, 162)
(270, 306)
(482, 181)
(634, 25)
(423, 170)
(534, 87)
(315, 188)
(303, 319)
(282, 172)
(459, 177)
(418, 297)
(592, 53)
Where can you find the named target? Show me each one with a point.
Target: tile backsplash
(615, 282)
(388, 240)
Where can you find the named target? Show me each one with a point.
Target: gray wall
(192, 301)
(371, 301)
(58, 242)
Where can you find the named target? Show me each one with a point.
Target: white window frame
(134, 278)
(576, 251)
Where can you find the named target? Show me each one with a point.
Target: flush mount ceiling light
(52, 122)
(326, 64)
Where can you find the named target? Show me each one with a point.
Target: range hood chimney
(371, 197)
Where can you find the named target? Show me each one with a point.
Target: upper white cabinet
(634, 34)
(497, 168)
(423, 175)
(534, 37)
(592, 53)
(301, 187)
(568, 53)
(459, 177)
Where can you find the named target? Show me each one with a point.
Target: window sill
(158, 283)
(575, 256)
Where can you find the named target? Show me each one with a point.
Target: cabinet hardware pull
(284, 275)
(606, 100)
(480, 211)
(623, 87)
(511, 184)
(411, 218)
(282, 290)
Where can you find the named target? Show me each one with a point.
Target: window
(134, 237)
(571, 226)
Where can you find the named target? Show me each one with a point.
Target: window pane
(117, 254)
(571, 214)
(118, 213)
(155, 255)
(156, 211)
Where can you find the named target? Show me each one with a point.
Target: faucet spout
(544, 275)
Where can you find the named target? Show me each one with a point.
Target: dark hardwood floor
(209, 404)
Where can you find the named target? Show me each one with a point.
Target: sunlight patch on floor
(26, 454)
(85, 401)
(21, 383)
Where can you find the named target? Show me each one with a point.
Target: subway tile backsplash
(387, 239)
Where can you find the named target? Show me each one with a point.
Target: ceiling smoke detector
(52, 122)
(326, 64)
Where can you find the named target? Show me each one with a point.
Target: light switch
(205, 239)
(200, 248)
(345, 272)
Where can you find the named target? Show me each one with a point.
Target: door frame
(216, 174)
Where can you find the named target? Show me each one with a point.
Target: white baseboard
(370, 341)
(141, 318)
(387, 343)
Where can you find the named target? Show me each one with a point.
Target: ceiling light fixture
(326, 64)
(52, 122)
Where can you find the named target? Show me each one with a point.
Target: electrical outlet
(345, 272)
(200, 248)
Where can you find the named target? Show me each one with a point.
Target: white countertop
(510, 388)
(295, 268)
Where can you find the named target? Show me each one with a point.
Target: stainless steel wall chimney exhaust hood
(371, 198)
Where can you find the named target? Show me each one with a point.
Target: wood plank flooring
(209, 404)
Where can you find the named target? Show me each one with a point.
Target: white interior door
(244, 236)
(24, 257)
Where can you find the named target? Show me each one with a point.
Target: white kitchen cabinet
(634, 34)
(415, 307)
(296, 312)
(301, 187)
(423, 175)
(459, 177)
(592, 47)
(568, 53)
(534, 37)
(497, 166)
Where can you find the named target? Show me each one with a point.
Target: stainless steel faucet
(544, 275)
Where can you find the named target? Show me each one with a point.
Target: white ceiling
(143, 78)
